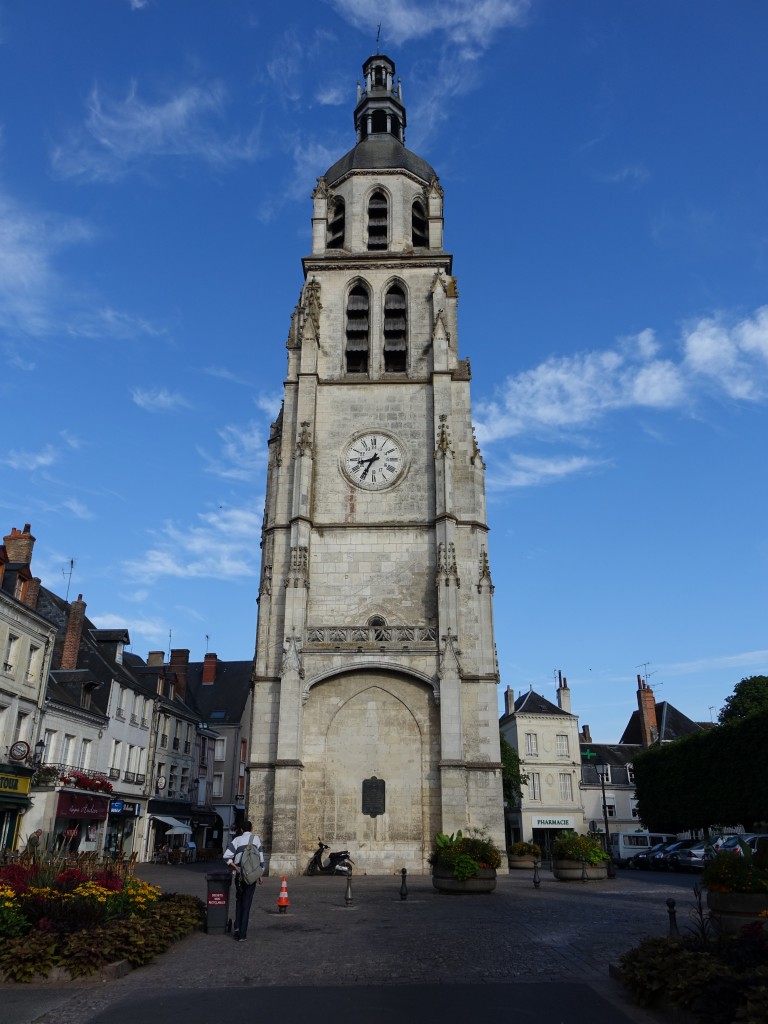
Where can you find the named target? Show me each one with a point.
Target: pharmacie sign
(565, 822)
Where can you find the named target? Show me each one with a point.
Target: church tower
(375, 720)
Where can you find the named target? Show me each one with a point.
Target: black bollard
(674, 931)
(584, 871)
(403, 886)
(348, 893)
(536, 879)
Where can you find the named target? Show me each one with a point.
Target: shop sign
(14, 783)
(564, 822)
(82, 805)
(124, 807)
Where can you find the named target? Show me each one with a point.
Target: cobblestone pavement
(560, 934)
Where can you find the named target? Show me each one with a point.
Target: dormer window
(395, 330)
(336, 224)
(377, 220)
(358, 330)
(419, 234)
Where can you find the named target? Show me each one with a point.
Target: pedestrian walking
(245, 857)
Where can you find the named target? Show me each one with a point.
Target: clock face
(374, 460)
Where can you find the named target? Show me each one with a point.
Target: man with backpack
(246, 858)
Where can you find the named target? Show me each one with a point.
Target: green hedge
(711, 778)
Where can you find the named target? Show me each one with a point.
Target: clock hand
(370, 462)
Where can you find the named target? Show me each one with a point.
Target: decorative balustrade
(400, 636)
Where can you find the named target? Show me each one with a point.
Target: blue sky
(605, 168)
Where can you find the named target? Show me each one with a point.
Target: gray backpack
(250, 864)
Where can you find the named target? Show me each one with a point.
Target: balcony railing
(114, 773)
(134, 719)
(141, 779)
(164, 739)
(175, 742)
(378, 635)
(187, 746)
(129, 776)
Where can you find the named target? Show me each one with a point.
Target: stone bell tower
(375, 718)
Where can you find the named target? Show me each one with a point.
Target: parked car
(660, 859)
(642, 860)
(690, 859)
(666, 862)
(714, 844)
(733, 843)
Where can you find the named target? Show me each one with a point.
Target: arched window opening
(377, 221)
(419, 233)
(396, 128)
(379, 122)
(378, 77)
(395, 330)
(336, 225)
(378, 624)
(358, 306)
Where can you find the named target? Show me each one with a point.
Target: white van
(625, 845)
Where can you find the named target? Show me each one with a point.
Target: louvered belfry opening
(358, 329)
(337, 224)
(419, 235)
(377, 221)
(395, 330)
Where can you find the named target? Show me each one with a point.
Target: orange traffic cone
(282, 899)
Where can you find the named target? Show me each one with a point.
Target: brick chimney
(31, 592)
(646, 702)
(209, 669)
(509, 700)
(586, 735)
(19, 545)
(69, 654)
(179, 662)
(156, 658)
(563, 693)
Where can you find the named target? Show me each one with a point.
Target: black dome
(380, 151)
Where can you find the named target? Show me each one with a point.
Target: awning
(177, 828)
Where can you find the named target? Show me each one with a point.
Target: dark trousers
(243, 901)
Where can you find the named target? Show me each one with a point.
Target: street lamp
(602, 770)
(39, 751)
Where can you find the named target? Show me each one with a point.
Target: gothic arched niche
(361, 725)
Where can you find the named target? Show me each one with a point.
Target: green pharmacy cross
(587, 755)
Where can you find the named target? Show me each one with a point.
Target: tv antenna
(67, 574)
(207, 638)
(378, 36)
(170, 641)
(646, 674)
(711, 709)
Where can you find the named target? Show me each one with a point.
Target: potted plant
(464, 862)
(737, 887)
(523, 855)
(578, 856)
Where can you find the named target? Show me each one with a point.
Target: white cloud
(159, 399)
(570, 394)
(528, 471)
(36, 300)
(19, 459)
(121, 135)
(471, 24)
(150, 629)
(243, 453)
(222, 545)
(77, 508)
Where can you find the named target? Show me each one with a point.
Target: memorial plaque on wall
(374, 801)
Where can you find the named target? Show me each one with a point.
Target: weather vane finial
(378, 35)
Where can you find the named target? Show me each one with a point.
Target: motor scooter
(337, 863)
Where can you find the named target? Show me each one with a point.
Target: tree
(512, 778)
(749, 696)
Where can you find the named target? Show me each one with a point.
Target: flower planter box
(572, 870)
(445, 881)
(730, 911)
(517, 863)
